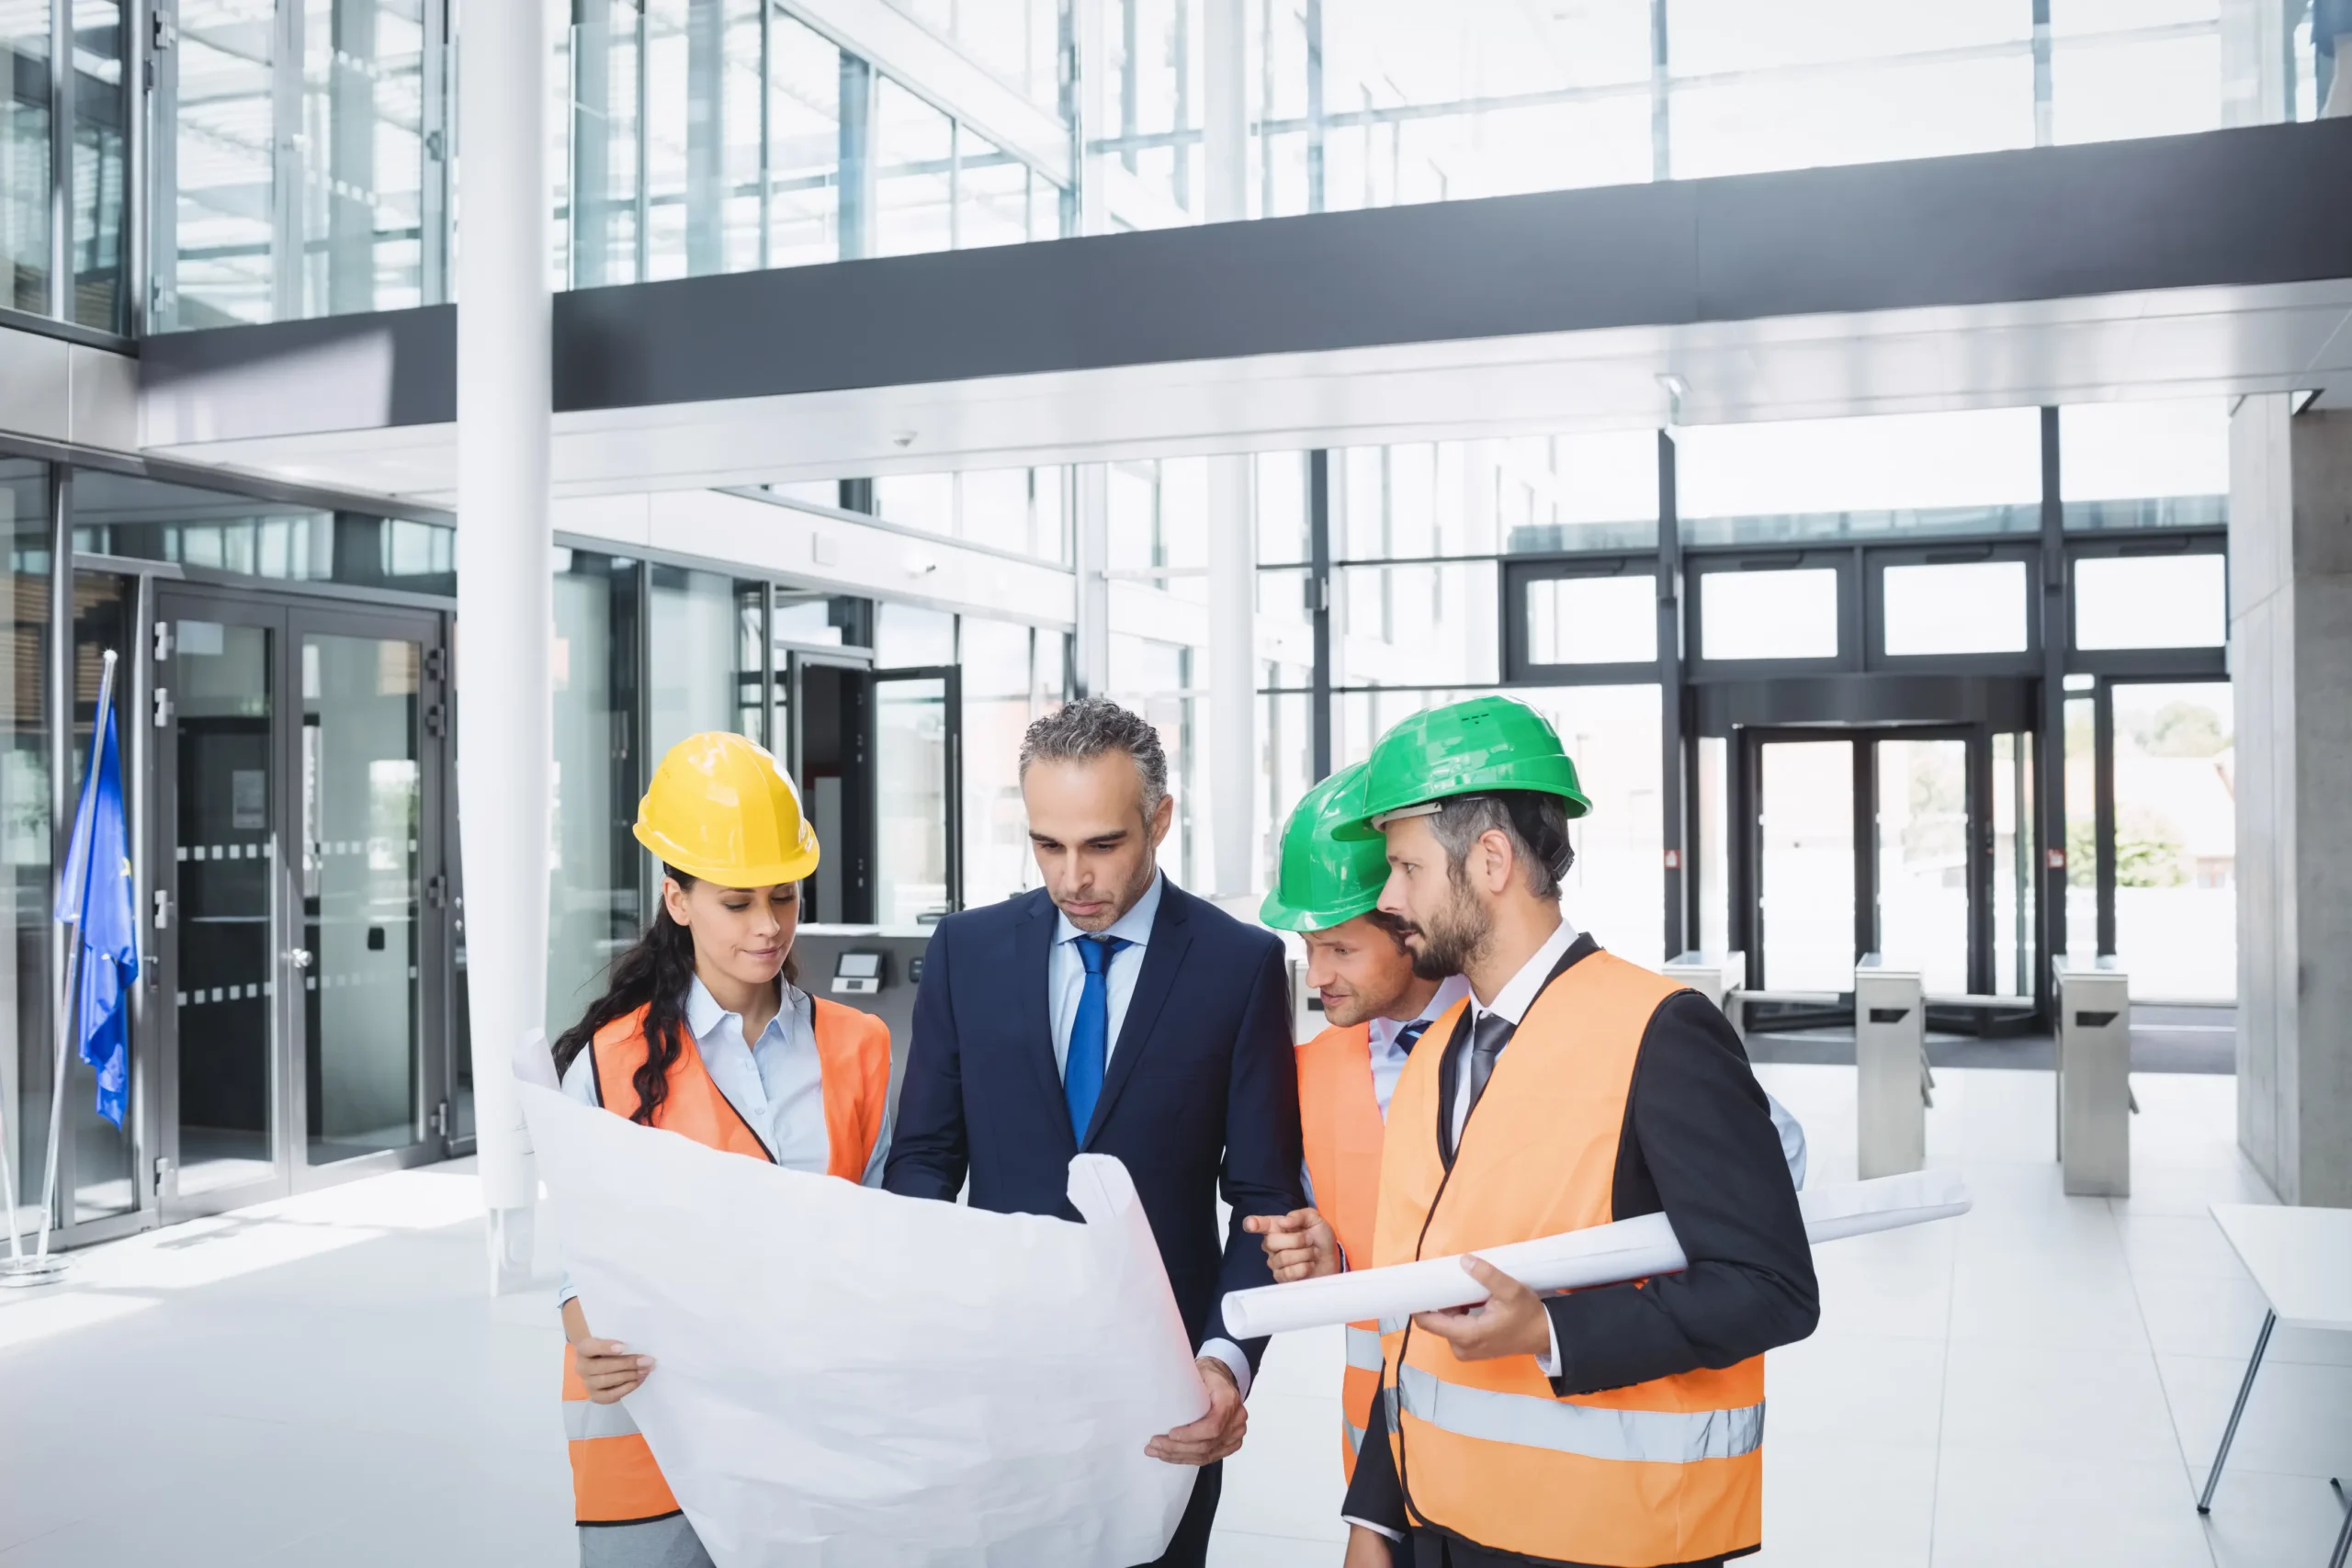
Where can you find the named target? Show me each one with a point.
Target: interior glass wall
(595, 889)
(65, 150)
(151, 520)
(302, 146)
(28, 948)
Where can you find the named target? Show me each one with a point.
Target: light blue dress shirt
(1387, 1061)
(1065, 971)
(776, 1086)
(1066, 981)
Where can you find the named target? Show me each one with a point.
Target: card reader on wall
(857, 974)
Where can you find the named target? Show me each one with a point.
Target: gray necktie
(1488, 1035)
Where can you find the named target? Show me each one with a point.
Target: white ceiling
(2180, 343)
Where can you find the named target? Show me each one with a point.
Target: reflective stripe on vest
(1637, 1436)
(1669, 1471)
(614, 1477)
(1340, 1122)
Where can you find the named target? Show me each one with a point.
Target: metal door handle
(299, 956)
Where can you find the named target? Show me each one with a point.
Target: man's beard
(1450, 944)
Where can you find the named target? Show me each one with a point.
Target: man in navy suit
(1114, 1012)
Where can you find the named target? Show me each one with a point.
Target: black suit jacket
(1201, 1090)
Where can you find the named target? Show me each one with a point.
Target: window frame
(1520, 572)
(2192, 662)
(1699, 564)
(1877, 559)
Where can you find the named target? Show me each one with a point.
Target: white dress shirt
(776, 1086)
(1066, 984)
(1511, 1002)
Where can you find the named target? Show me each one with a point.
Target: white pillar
(1232, 543)
(503, 589)
(2291, 665)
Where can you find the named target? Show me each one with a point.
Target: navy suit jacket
(1202, 1087)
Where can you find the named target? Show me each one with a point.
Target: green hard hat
(1321, 881)
(1465, 748)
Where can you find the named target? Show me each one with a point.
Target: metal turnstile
(2095, 1102)
(1721, 977)
(1891, 1066)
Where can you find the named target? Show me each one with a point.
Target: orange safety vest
(613, 1478)
(1340, 1117)
(1666, 1472)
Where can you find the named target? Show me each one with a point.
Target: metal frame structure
(1859, 692)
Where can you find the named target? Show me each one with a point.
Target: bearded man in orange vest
(1377, 1006)
(1622, 1425)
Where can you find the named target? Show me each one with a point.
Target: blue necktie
(1410, 1033)
(1089, 1034)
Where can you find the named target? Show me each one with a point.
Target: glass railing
(691, 137)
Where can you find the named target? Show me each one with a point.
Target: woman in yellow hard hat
(703, 1033)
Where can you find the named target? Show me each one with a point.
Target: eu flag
(95, 897)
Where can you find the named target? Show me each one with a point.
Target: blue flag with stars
(95, 896)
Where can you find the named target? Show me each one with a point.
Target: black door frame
(951, 679)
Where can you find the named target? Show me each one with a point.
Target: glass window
(993, 205)
(302, 179)
(804, 144)
(1282, 521)
(1592, 620)
(141, 519)
(1417, 625)
(914, 158)
(695, 659)
(2082, 824)
(907, 635)
(2125, 601)
(1000, 696)
(25, 161)
(1976, 471)
(594, 883)
(1960, 607)
(1616, 889)
(1600, 491)
(1747, 35)
(2139, 465)
(1879, 111)
(917, 500)
(702, 135)
(101, 192)
(1780, 614)
(24, 984)
(2105, 89)
(1155, 679)
(1015, 40)
(2176, 839)
(601, 237)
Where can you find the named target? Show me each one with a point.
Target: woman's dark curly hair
(655, 975)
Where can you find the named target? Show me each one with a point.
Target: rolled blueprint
(1602, 1254)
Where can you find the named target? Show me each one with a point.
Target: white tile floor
(322, 1382)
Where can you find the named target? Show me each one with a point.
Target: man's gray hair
(1535, 823)
(1092, 726)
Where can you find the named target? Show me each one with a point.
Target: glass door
(1924, 871)
(226, 942)
(363, 837)
(300, 941)
(1805, 841)
(917, 730)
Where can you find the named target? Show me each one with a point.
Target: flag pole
(42, 1265)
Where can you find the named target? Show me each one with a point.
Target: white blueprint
(848, 1378)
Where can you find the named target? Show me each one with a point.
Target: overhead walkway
(2220, 262)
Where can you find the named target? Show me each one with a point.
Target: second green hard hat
(1465, 748)
(1321, 882)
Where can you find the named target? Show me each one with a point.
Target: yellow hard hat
(721, 810)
